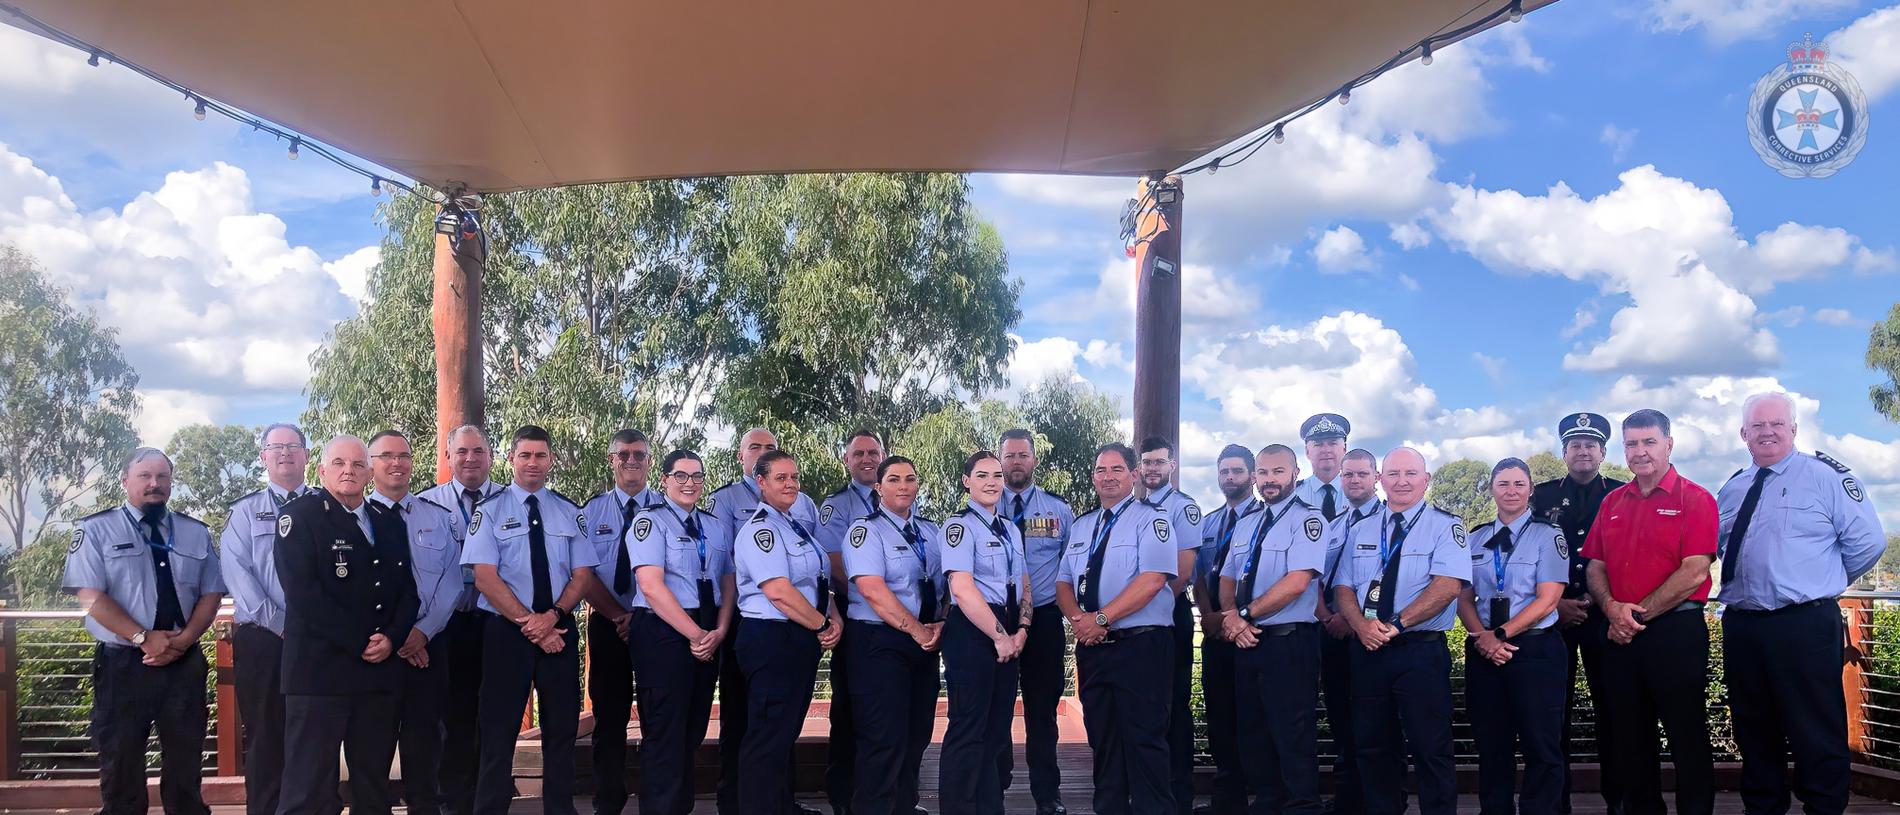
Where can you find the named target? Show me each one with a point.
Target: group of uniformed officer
(370, 620)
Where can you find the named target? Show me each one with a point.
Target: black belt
(1534, 632)
(1117, 634)
(1687, 605)
(1763, 612)
(1281, 629)
(1419, 636)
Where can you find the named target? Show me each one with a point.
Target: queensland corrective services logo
(1807, 118)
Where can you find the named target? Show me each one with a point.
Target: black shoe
(1203, 809)
(803, 808)
(1052, 808)
(920, 810)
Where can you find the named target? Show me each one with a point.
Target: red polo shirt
(1642, 539)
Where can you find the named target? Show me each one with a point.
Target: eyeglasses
(637, 455)
(276, 448)
(682, 477)
(388, 457)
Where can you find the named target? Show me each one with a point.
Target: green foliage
(1883, 356)
(1463, 488)
(214, 466)
(66, 401)
(1071, 420)
(36, 572)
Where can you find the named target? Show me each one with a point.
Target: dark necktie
(169, 615)
(623, 567)
(926, 587)
(473, 497)
(1016, 514)
(1001, 531)
(1326, 504)
(1223, 543)
(824, 584)
(1243, 594)
(1389, 581)
(707, 615)
(538, 558)
(1732, 553)
(1091, 582)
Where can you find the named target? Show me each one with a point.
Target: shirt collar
(1517, 526)
(1778, 468)
(621, 497)
(896, 520)
(1242, 508)
(1370, 506)
(1670, 481)
(1280, 505)
(1160, 494)
(282, 494)
(139, 515)
(1119, 508)
(1319, 485)
(1028, 493)
(682, 511)
(1410, 512)
(986, 515)
(392, 503)
(522, 494)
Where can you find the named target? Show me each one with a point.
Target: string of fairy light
(202, 106)
(1150, 199)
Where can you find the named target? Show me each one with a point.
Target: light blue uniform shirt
(658, 538)
(434, 559)
(449, 494)
(1814, 532)
(606, 529)
(1294, 541)
(770, 546)
(1435, 547)
(110, 553)
(498, 536)
(1183, 514)
(971, 545)
(839, 510)
(1044, 521)
(734, 504)
(1539, 554)
(1336, 543)
(1313, 492)
(1216, 529)
(876, 547)
(1139, 540)
(247, 556)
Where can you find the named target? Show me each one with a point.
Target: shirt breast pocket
(511, 548)
(429, 549)
(1415, 568)
(124, 570)
(188, 571)
(682, 558)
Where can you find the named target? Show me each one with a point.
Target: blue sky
(1556, 215)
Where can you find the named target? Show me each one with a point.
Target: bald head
(1404, 477)
(753, 444)
(343, 468)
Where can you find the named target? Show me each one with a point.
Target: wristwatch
(823, 626)
(1499, 633)
(139, 638)
(1246, 613)
(1398, 626)
(1101, 619)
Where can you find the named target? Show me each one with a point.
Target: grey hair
(1748, 405)
(142, 454)
(264, 434)
(468, 428)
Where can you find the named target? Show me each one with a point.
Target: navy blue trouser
(610, 687)
(1181, 707)
(1519, 706)
(1125, 685)
(1335, 676)
(675, 692)
(419, 729)
(894, 707)
(1042, 678)
(129, 698)
(1223, 715)
(982, 702)
(1277, 688)
(1663, 674)
(461, 722)
(1401, 696)
(841, 748)
(511, 667)
(1784, 682)
(1586, 641)
(780, 661)
(257, 659)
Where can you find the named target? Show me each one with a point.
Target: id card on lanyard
(1387, 551)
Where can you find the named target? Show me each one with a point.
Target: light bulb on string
(198, 111)
(376, 186)
(1345, 95)
(1279, 134)
(93, 60)
(1427, 58)
(1213, 168)
(1516, 14)
(293, 148)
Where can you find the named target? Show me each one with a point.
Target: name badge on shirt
(995, 544)
(265, 515)
(1368, 547)
(511, 523)
(122, 546)
(1668, 512)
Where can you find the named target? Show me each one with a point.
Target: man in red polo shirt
(1650, 552)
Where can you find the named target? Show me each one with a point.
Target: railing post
(9, 699)
(230, 722)
(1858, 615)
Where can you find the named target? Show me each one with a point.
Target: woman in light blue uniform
(683, 613)
(1516, 665)
(985, 631)
(786, 617)
(890, 644)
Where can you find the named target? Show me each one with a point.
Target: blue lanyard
(138, 524)
(1227, 534)
(866, 498)
(916, 546)
(1267, 520)
(1497, 566)
(701, 538)
(1102, 530)
(1385, 555)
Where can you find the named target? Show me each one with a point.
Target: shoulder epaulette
(486, 498)
(1829, 461)
(722, 487)
(177, 514)
(590, 499)
(1147, 503)
(758, 514)
(1731, 476)
(557, 494)
(100, 513)
(929, 520)
(432, 503)
(1549, 482)
(1298, 501)
(245, 497)
(1443, 511)
(1545, 522)
(1190, 498)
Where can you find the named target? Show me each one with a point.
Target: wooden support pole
(460, 259)
(1858, 614)
(230, 721)
(9, 699)
(1158, 312)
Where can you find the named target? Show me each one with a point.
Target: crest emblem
(79, 539)
(1327, 425)
(1583, 421)
(764, 539)
(1807, 118)
(474, 522)
(1848, 483)
(1313, 528)
(283, 528)
(1161, 530)
(1194, 514)
(824, 514)
(641, 528)
(953, 535)
(1563, 546)
(857, 536)
(1458, 533)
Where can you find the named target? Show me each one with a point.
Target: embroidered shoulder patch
(1313, 528)
(641, 528)
(1161, 530)
(764, 539)
(79, 539)
(1853, 489)
(824, 514)
(1458, 533)
(1194, 514)
(474, 522)
(283, 526)
(1563, 546)
(857, 536)
(953, 534)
